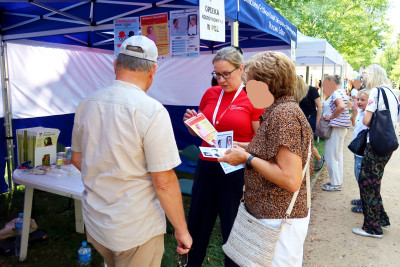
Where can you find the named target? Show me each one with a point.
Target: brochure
(215, 152)
(203, 128)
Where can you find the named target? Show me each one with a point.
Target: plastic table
(68, 186)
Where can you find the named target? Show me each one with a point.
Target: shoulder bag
(357, 146)
(251, 242)
(382, 136)
(323, 130)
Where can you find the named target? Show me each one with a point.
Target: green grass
(55, 215)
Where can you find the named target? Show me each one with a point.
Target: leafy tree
(389, 59)
(356, 28)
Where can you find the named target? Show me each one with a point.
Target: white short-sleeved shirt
(354, 92)
(392, 100)
(359, 125)
(123, 135)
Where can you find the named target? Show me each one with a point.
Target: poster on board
(212, 20)
(184, 33)
(155, 27)
(123, 29)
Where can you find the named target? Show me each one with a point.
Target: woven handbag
(251, 242)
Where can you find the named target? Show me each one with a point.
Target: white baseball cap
(139, 47)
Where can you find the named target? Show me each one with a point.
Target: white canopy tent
(318, 54)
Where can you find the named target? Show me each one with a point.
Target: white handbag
(251, 242)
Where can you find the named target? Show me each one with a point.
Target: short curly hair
(275, 69)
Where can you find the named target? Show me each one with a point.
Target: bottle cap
(84, 243)
(21, 215)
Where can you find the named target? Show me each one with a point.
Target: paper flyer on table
(215, 152)
(203, 128)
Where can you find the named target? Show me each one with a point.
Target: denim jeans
(357, 166)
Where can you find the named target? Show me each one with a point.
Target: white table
(68, 186)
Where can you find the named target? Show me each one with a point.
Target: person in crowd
(336, 111)
(192, 28)
(275, 158)
(215, 193)
(362, 100)
(312, 109)
(150, 34)
(373, 165)
(124, 145)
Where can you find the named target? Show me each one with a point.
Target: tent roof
(90, 23)
(310, 51)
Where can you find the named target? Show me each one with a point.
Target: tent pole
(322, 80)
(7, 113)
(235, 33)
(341, 76)
(334, 68)
(307, 74)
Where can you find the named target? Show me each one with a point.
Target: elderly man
(124, 145)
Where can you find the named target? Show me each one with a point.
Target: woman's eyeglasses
(225, 75)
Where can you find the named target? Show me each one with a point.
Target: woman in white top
(373, 165)
(336, 111)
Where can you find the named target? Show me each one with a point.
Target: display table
(68, 186)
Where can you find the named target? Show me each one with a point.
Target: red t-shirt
(237, 118)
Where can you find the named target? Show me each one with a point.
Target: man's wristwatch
(248, 162)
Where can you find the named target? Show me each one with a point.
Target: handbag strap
(385, 99)
(306, 170)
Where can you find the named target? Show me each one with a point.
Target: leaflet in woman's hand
(203, 128)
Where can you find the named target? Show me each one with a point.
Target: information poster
(123, 29)
(184, 33)
(155, 27)
(212, 20)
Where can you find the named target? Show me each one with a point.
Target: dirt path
(330, 241)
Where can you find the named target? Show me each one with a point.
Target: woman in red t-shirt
(215, 193)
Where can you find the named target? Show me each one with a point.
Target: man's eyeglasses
(182, 260)
(225, 75)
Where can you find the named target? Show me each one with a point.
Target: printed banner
(184, 33)
(212, 20)
(123, 29)
(155, 27)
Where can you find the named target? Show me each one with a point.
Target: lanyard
(219, 103)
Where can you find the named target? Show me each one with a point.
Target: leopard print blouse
(282, 124)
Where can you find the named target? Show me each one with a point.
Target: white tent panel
(52, 79)
(310, 51)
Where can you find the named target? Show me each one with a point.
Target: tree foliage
(389, 59)
(356, 28)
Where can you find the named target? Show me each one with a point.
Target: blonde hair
(376, 76)
(230, 54)
(364, 91)
(301, 89)
(275, 69)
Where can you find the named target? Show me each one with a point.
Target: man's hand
(184, 242)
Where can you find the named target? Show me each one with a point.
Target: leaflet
(215, 152)
(203, 128)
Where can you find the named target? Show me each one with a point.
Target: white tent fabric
(310, 51)
(52, 79)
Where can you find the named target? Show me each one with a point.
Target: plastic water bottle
(18, 233)
(84, 255)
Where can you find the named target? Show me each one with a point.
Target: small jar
(60, 159)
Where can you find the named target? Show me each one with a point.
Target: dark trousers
(214, 193)
(369, 182)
